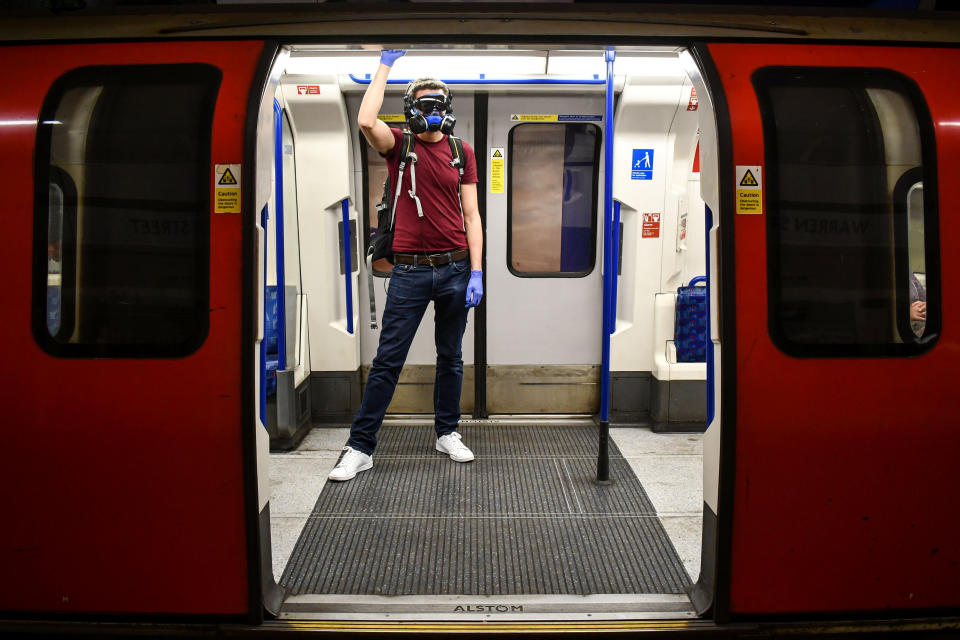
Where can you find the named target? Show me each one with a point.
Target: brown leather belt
(432, 259)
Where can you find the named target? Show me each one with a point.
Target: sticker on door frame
(226, 182)
(749, 186)
(496, 170)
(555, 117)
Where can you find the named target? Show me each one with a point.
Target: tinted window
(844, 247)
(554, 171)
(130, 234)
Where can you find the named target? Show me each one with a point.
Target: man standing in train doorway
(437, 248)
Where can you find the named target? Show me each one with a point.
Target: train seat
(672, 360)
(690, 325)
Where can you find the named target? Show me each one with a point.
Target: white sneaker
(351, 463)
(452, 445)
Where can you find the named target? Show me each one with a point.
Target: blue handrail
(711, 400)
(281, 288)
(614, 263)
(347, 262)
(594, 80)
(609, 275)
(264, 216)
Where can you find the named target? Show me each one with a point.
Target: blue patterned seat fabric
(690, 328)
(270, 336)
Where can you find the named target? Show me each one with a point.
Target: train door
(127, 221)
(543, 275)
(834, 199)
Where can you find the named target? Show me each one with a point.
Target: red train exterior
(837, 477)
(104, 490)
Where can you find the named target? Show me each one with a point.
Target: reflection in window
(132, 240)
(553, 194)
(54, 258)
(918, 270)
(842, 254)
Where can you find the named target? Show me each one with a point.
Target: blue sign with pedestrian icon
(642, 168)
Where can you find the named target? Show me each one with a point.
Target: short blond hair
(426, 83)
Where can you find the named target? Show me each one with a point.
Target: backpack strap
(459, 160)
(406, 155)
(456, 149)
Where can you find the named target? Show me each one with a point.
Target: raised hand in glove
(474, 289)
(389, 56)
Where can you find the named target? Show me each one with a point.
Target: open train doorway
(523, 531)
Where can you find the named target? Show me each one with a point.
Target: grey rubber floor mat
(524, 518)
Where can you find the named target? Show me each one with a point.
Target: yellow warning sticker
(391, 117)
(226, 182)
(496, 170)
(749, 188)
(534, 117)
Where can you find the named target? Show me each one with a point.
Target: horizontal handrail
(594, 80)
(348, 261)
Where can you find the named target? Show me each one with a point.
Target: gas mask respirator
(431, 112)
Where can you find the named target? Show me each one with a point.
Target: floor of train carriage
(523, 531)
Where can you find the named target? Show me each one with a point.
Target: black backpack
(381, 238)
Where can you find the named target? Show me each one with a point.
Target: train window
(552, 202)
(851, 239)
(918, 293)
(134, 144)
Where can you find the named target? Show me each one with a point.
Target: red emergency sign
(651, 225)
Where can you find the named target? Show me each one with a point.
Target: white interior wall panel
(644, 119)
(324, 158)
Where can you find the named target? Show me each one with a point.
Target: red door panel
(846, 469)
(122, 477)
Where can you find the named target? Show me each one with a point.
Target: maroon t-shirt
(441, 228)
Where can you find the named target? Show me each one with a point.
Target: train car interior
(526, 530)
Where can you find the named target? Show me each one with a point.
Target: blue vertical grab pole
(278, 193)
(264, 216)
(347, 261)
(603, 457)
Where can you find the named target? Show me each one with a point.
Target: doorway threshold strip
(524, 518)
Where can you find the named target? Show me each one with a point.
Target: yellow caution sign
(496, 170)
(227, 177)
(391, 117)
(749, 187)
(226, 182)
(534, 117)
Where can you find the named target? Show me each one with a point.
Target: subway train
(708, 385)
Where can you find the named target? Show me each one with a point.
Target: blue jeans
(411, 289)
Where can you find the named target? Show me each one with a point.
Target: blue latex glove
(389, 56)
(475, 289)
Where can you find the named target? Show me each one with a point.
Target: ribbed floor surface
(524, 518)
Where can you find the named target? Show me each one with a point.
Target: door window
(852, 259)
(552, 206)
(123, 207)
